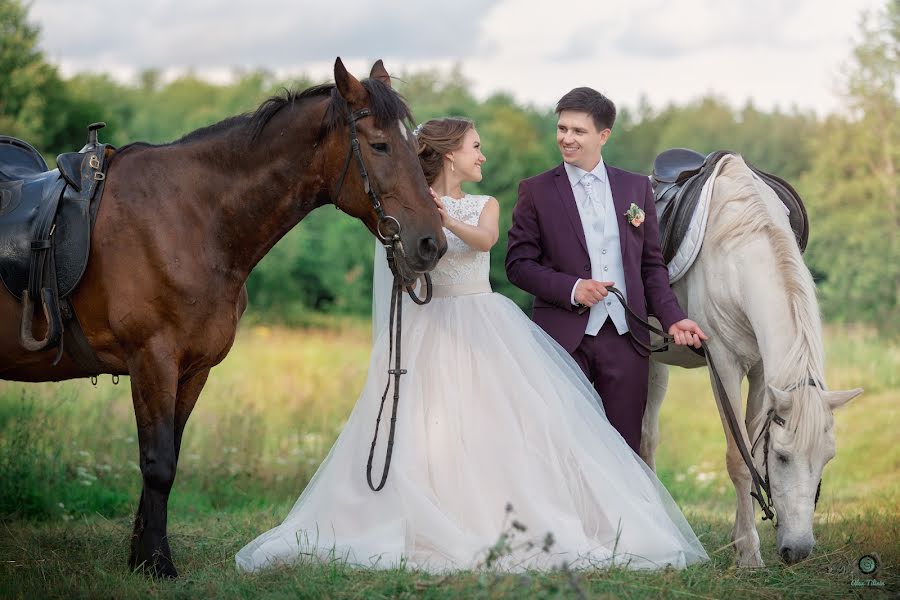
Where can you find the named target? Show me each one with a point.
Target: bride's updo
(436, 138)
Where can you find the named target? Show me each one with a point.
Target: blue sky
(774, 52)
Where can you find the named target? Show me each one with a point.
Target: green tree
(852, 187)
(31, 87)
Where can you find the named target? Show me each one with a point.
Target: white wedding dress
(492, 412)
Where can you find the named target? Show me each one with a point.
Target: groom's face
(578, 139)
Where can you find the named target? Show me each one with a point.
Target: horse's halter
(763, 493)
(370, 191)
(391, 236)
(393, 246)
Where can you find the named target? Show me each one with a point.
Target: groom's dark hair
(587, 100)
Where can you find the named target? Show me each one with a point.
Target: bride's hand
(445, 217)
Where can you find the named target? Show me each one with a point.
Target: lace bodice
(462, 264)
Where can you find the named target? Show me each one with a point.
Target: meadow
(69, 483)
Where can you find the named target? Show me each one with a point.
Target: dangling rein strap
(396, 372)
(760, 492)
(394, 331)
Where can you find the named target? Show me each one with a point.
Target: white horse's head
(796, 455)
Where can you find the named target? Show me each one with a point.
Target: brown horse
(181, 226)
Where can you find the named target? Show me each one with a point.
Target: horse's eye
(380, 147)
(782, 458)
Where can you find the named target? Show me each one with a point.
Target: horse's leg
(658, 383)
(756, 377)
(743, 534)
(154, 383)
(188, 392)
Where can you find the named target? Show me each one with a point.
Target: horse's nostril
(428, 248)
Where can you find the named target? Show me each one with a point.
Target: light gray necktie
(592, 205)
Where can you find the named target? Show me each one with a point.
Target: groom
(575, 233)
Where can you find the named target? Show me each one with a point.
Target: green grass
(69, 484)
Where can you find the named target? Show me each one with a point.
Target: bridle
(393, 246)
(766, 501)
(761, 491)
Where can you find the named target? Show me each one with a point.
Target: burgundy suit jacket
(547, 253)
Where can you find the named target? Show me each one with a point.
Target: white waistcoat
(604, 250)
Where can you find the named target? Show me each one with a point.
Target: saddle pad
(693, 239)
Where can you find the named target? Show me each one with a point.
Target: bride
(494, 417)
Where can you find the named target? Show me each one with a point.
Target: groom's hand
(589, 292)
(687, 333)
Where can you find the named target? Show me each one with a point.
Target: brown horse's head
(388, 153)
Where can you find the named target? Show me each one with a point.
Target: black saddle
(678, 177)
(46, 219)
(19, 160)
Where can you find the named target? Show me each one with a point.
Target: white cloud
(774, 52)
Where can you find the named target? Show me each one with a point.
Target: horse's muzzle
(795, 551)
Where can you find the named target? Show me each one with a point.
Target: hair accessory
(417, 130)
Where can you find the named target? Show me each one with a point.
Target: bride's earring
(452, 168)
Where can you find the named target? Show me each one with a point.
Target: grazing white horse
(752, 294)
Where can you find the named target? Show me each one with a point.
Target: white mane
(746, 208)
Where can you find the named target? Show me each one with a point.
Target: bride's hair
(436, 138)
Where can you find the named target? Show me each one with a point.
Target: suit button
(606, 268)
(604, 251)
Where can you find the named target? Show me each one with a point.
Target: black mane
(387, 107)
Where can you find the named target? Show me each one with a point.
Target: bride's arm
(481, 237)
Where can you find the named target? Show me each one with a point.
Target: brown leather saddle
(46, 218)
(677, 180)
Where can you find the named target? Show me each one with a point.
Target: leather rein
(761, 491)
(393, 247)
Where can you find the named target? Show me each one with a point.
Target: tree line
(844, 165)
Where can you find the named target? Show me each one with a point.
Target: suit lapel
(621, 203)
(567, 198)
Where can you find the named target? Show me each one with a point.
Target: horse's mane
(745, 212)
(387, 106)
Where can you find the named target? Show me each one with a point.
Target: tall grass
(69, 480)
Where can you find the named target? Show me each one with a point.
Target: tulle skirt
(500, 441)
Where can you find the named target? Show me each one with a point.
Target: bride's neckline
(464, 196)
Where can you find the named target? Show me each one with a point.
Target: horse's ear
(349, 86)
(838, 399)
(380, 73)
(781, 399)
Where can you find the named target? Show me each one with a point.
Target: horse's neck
(782, 314)
(256, 191)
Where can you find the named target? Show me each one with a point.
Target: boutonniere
(635, 215)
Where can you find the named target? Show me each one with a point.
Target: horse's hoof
(162, 568)
(750, 561)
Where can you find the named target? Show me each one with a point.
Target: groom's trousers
(619, 374)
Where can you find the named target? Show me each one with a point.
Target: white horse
(752, 294)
